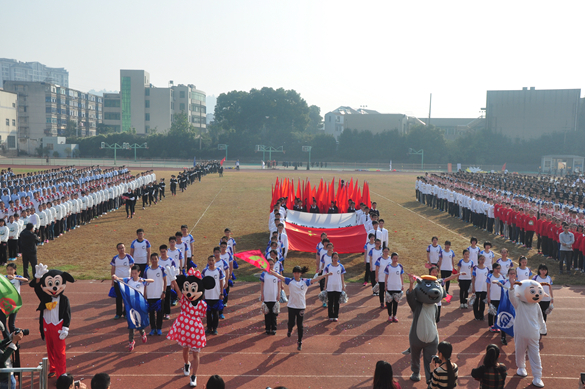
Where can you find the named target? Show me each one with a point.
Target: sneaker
(336, 319)
(324, 305)
(390, 319)
(187, 369)
(152, 333)
(537, 381)
(144, 338)
(214, 332)
(493, 329)
(131, 345)
(208, 331)
(117, 317)
(394, 319)
(381, 306)
(300, 346)
(522, 372)
(288, 334)
(167, 317)
(365, 284)
(461, 306)
(465, 306)
(406, 352)
(193, 381)
(159, 332)
(222, 316)
(504, 341)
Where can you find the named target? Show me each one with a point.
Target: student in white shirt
(373, 255)
(393, 284)
(176, 253)
(367, 247)
(465, 269)
(479, 287)
(269, 293)
(446, 263)
(188, 238)
(140, 250)
(325, 260)
(156, 292)
(380, 266)
(282, 238)
(15, 280)
(488, 255)
(384, 233)
(505, 262)
(334, 285)
(13, 232)
(474, 251)
(4, 233)
(434, 251)
(297, 303)
(214, 297)
(121, 264)
(523, 272)
(495, 281)
(544, 279)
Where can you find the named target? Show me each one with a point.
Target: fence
(42, 370)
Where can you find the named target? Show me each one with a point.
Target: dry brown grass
(240, 201)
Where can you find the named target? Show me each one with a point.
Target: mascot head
(193, 283)
(428, 290)
(529, 291)
(54, 282)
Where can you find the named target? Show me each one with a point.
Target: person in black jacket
(27, 243)
(314, 207)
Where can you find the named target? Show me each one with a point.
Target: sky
(386, 55)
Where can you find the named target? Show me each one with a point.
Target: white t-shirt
(465, 267)
(367, 248)
(167, 262)
(447, 260)
(217, 275)
(325, 260)
(176, 255)
(334, 283)
(138, 285)
(270, 286)
(189, 239)
(434, 253)
(297, 292)
(16, 282)
(122, 265)
(546, 288)
(505, 266)
(140, 253)
(489, 258)
(374, 256)
(381, 264)
(523, 274)
(154, 289)
(480, 278)
(495, 290)
(394, 277)
(473, 253)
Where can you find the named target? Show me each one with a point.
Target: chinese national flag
(345, 240)
(254, 257)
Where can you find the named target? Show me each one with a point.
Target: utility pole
(430, 104)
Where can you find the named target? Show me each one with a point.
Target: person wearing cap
(66, 381)
(297, 288)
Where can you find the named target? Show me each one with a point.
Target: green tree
(104, 129)
(181, 126)
(71, 129)
(315, 119)
(431, 140)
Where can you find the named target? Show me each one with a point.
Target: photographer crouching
(9, 349)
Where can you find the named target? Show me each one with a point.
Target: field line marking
(205, 210)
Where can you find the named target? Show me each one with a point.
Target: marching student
(367, 247)
(479, 287)
(474, 251)
(393, 284)
(447, 263)
(4, 234)
(488, 254)
(140, 250)
(380, 265)
(505, 262)
(183, 246)
(232, 242)
(318, 249)
(164, 261)
(15, 280)
(465, 269)
(376, 231)
(297, 303)
(225, 255)
(326, 259)
(334, 285)
(269, 294)
(495, 281)
(384, 233)
(282, 238)
(155, 292)
(176, 253)
(434, 251)
(523, 272)
(543, 277)
(373, 256)
(121, 264)
(213, 296)
(13, 232)
(225, 267)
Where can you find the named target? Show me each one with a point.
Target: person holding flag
(11, 301)
(133, 292)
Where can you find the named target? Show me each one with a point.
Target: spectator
(445, 374)
(27, 243)
(492, 374)
(66, 381)
(100, 381)
(7, 380)
(383, 376)
(215, 382)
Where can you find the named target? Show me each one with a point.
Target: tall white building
(8, 120)
(13, 70)
(144, 108)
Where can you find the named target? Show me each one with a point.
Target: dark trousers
(543, 307)
(382, 292)
(367, 275)
(28, 258)
(321, 282)
(445, 274)
(464, 290)
(490, 224)
(528, 235)
(119, 300)
(575, 260)
(12, 248)
(212, 315)
(565, 256)
(491, 318)
(333, 304)
(128, 209)
(3, 248)
(155, 324)
(142, 268)
(539, 243)
(295, 316)
(392, 306)
(167, 302)
(479, 305)
(270, 319)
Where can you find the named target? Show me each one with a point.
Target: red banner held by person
(254, 257)
(222, 161)
(345, 240)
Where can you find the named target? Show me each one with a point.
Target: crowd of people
(516, 208)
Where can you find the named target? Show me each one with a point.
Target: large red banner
(345, 240)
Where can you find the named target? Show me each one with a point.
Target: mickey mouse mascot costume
(55, 314)
(528, 326)
(188, 329)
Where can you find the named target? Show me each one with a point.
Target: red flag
(291, 195)
(345, 240)
(366, 195)
(504, 167)
(350, 190)
(254, 257)
(299, 195)
(222, 161)
(331, 193)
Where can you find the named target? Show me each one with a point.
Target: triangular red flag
(255, 258)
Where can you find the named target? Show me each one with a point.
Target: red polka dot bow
(194, 272)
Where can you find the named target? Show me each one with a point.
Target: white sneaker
(522, 372)
(187, 369)
(193, 381)
(538, 382)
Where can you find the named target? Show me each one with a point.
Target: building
(144, 108)
(44, 109)
(530, 113)
(453, 128)
(57, 147)
(561, 164)
(13, 70)
(335, 122)
(8, 121)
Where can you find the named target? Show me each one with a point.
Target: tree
(68, 151)
(430, 139)
(55, 154)
(315, 119)
(71, 129)
(181, 126)
(104, 129)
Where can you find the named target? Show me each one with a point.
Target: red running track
(334, 355)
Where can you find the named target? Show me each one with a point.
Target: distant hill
(101, 92)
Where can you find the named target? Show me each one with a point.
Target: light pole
(115, 147)
(421, 152)
(223, 147)
(305, 149)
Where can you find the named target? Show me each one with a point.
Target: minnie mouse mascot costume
(188, 329)
(55, 314)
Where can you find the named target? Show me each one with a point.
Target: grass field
(240, 201)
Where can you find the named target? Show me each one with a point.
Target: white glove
(40, 270)
(63, 333)
(171, 272)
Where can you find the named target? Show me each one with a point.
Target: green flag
(10, 301)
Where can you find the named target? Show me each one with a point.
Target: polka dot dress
(188, 329)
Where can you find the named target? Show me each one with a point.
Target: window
(112, 116)
(147, 118)
(125, 95)
(14, 122)
(182, 94)
(197, 96)
(147, 103)
(11, 142)
(112, 103)
(182, 106)
(7, 122)
(147, 91)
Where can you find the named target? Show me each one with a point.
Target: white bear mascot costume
(528, 326)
